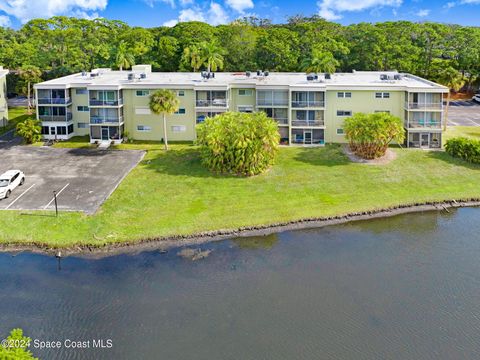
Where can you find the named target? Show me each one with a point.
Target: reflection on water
(400, 288)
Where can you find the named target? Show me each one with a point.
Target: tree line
(61, 45)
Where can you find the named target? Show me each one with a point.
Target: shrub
(370, 134)
(466, 149)
(30, 130)
(238, 143)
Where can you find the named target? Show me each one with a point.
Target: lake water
(406, 287)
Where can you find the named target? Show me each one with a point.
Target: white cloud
(449, 5)
(215, 14)
(4, 21)
(423, 12)
(333, 9)
(151, 3)
(239, 5)
(25, 10)
(470, 2)
(191, 14)
(186, 2)
(452, 4)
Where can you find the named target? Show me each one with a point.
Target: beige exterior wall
(237, 100)
(3, 99)
(134, 105)
(361, 101)
(80, 116)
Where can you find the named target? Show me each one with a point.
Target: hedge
(464, 148)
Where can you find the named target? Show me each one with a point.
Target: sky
(152, 13)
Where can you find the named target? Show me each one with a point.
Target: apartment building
(309, 109)
(3, 97)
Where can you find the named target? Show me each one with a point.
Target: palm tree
(123, 57)
(192, 55)
(29, 74)
(163, 102)
(454, 80)
(212, 56)
(320, 61)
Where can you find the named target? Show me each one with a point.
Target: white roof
(368, 80)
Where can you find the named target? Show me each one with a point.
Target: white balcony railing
(423, 106)
(308, 103)
(319, 122)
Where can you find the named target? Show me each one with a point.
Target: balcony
(272, 102)
(308, 104)
(67, 117)
(432, 124)
(423, 106)
(112, 120)
(96, 102)
(54, 101)
(211, 103)
(319, 122)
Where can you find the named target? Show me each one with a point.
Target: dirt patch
(385, 159)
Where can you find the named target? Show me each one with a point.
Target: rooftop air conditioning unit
(327, 76)
(310, 77)
(383, 77)
(143, 76)
(259, 72)
(248, 73)
(266, 73)
(131, 76)
(84, 73)
(397, 77)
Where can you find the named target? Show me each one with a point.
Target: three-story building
(3, 97)
(309, 109)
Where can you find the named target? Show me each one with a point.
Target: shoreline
(176, 241)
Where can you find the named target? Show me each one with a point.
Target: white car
(476, 98)
(9, 181)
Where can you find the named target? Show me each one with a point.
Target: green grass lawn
(465, 131)
(172, 193)
(16, 115)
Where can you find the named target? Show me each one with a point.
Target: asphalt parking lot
(82, 178)
(464, 113)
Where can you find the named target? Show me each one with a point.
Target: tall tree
(163, 102)
(29, 74)
(320, 61)
(212, 56)
(192, 58)
(123, 56)
(454, 80)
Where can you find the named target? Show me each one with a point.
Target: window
(180, 111)
(142, 93)
(61, 130)
(344, 95)
(82, 108)
(181, 93)
(70, 128)
(245, 108)
(245, 92)
(82, 125)
(144, 128)
(340, 132)
(344, 113)
(382, 95)
(45, 130)
(81, 91)
(179, 128)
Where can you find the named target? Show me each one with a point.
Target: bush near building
(370, 134)
(464, 148)
(30, 130)
(238, 143)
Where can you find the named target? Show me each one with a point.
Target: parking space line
(14, 201)
(58, 193)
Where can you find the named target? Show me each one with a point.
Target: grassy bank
(16, 115)
(171, 193)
